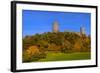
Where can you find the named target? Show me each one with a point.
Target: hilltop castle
(56, 29)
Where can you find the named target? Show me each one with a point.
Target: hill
(38, 46)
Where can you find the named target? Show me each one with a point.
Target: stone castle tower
(82, 31)
(55, 27)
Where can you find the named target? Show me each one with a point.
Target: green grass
(68, 56)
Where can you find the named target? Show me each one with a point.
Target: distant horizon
(38, 22)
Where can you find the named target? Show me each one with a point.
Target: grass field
(64, 57)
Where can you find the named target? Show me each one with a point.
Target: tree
(31, 53)
(78, 46)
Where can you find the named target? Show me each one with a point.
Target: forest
(50, 46)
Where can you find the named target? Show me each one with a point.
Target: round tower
(55, 27)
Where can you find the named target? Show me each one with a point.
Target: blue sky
(41, 21)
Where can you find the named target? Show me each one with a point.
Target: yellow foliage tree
(30, 52)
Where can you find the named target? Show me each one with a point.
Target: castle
(56, 29)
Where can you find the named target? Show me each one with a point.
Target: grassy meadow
(66, 57)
